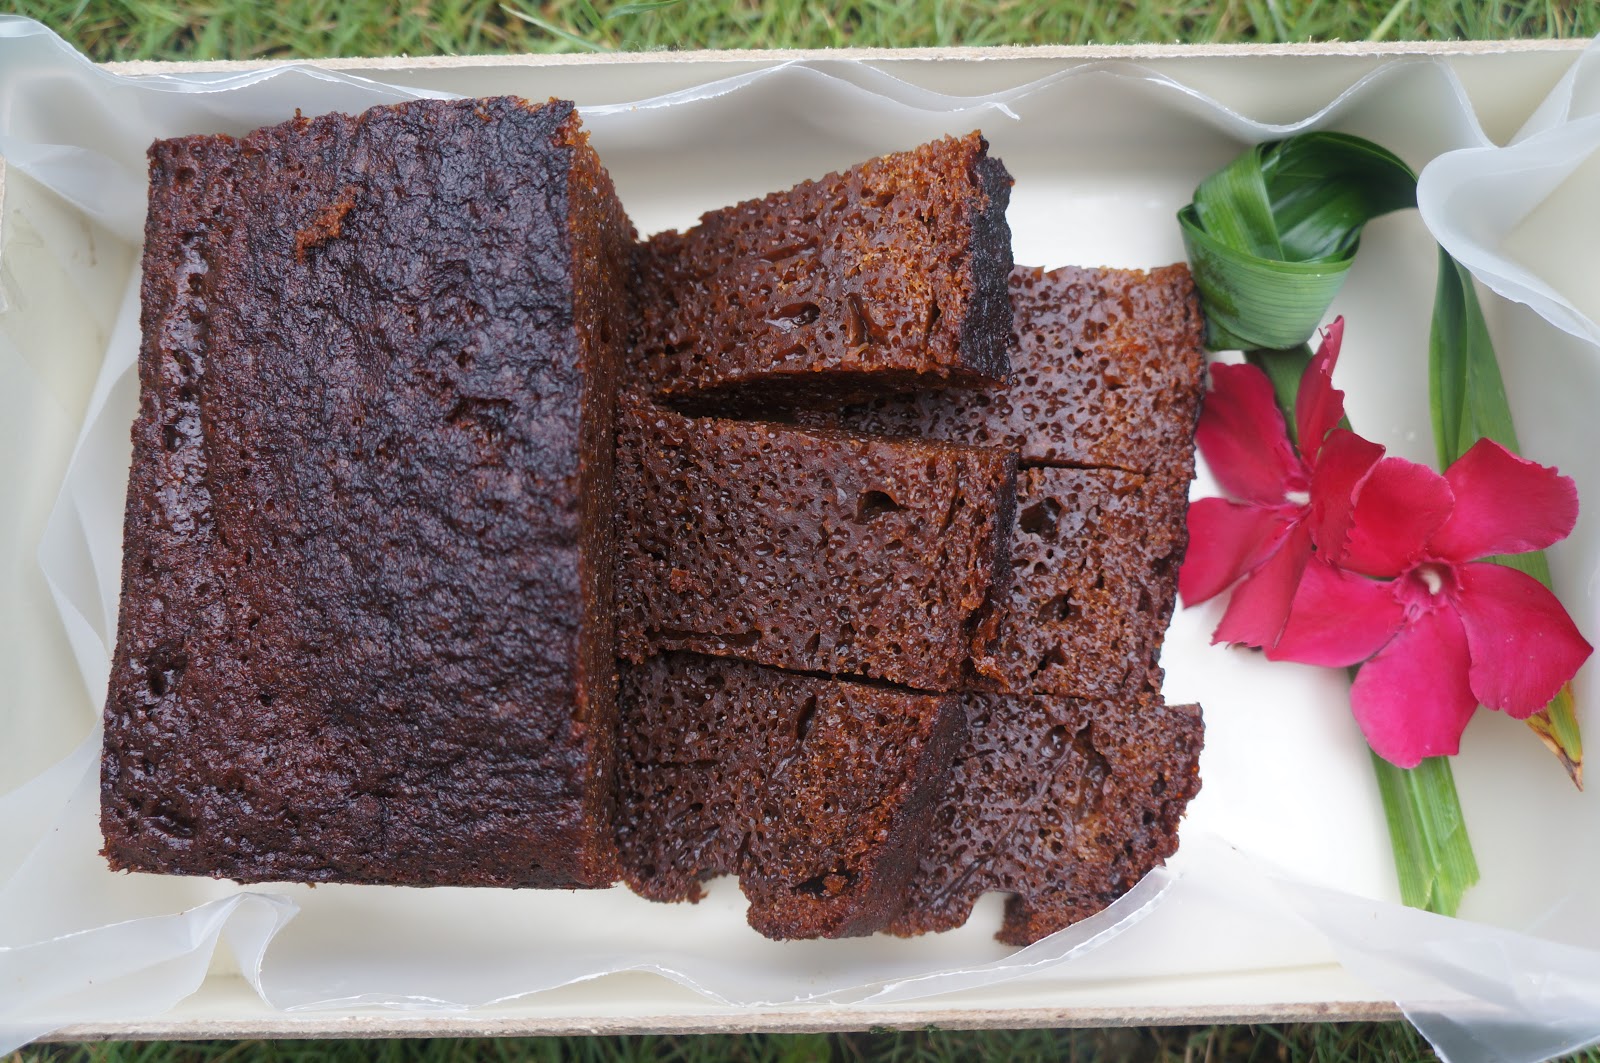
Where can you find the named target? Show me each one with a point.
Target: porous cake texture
(808, 549)
(1062, 803)
(366, 631)
(1094, 571)
(1106, 372)
(1074, 775)
(818, 793)
(887, 276)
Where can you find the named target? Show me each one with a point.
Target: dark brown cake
(1073, 780)
(887, 276)
(818, 793)
(366, 630)
(1094, 572)
(812, 550)
(1062, 803)
(1106, 373)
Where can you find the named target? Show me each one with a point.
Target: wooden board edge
(1080, 53)
(811, 1020)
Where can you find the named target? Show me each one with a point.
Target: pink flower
(1444, 631)
(1265, 538)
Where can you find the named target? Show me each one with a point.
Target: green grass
(1326, 1043)
(247, 29)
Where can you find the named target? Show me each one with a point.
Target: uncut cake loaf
(366, 629)
(887, 276)
(805, 549)
(818, 793)
(1060, 802)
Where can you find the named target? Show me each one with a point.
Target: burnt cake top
(350, 642)
(887, 276)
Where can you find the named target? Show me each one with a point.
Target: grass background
(244, 29)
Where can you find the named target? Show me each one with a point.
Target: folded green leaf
(1271, 236)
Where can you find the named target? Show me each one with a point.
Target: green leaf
(1432, 856)
(1271, 236)
(1389, 20)
(1256, 302)
(554, 30)
(1468, 399)
(1465, 389)
(643, 6)
(1557, 728)
(1284, 369)
(1233, 207)
(590, 14)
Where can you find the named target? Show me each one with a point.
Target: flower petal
(1242, 435)
(1338, 618)
(1319, 406)
(1397, 509)
(1226, 540)
(1412, 700)
(1524, 645)
(1260, 605)
(1343, 465)
(1504, 505)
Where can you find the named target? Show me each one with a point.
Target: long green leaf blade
(1466, 390)
(554, 30)
(1468, 397)
(639, 8)
(1433, 857)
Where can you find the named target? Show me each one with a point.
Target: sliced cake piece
(1063, 803)
(818, 793)
(811, 550)
(366, 630)
(1094, 573)
(890, 275)
(1107, 371)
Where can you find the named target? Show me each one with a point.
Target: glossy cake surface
(1094, 563)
